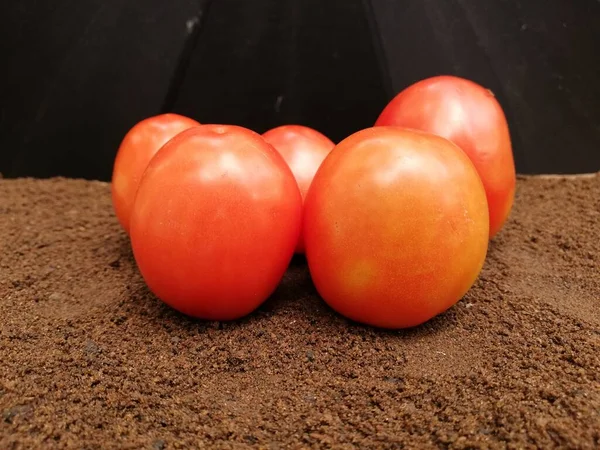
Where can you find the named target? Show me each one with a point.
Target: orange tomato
(215, 222)
(304, 149)
(470, 116)
(396, 227)
(138, 147)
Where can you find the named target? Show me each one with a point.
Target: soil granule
(90, 359)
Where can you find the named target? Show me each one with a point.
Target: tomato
(396, 227)
(304, 149)
(215, 222)
(135, 152)
(470, 116)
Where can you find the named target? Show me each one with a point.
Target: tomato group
(395, 220)
(396, 226)
(470, 116)
(135, 152)
(215, 222)
(304, 149)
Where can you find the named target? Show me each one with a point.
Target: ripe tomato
(215, 222)
(304, 149)
(396, 227)
(135, 152)
(471, 117)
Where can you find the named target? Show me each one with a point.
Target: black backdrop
(76, 74)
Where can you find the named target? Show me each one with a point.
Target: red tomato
(471, 117)
(135, 152)
(304, 149)
(215, 222)
(396, 227)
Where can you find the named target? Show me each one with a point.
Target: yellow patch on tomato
(359, 276)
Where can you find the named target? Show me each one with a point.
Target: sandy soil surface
(90, 359)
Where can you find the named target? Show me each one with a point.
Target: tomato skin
(304, 149)
(215, 222)
(470, 116)
(138, 147)
(396, 227)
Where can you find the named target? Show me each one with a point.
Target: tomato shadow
(147, 310)
(294, 299)
(125, 251)
(295, 296)
(438, 324)
(298, 260)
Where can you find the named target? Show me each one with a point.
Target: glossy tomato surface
(215, 222)
(396, 227)
(304, 149)
(138, 147)
(470, 116)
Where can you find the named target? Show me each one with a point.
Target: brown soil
(90, 359)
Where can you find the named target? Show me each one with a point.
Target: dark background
(75, 75)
